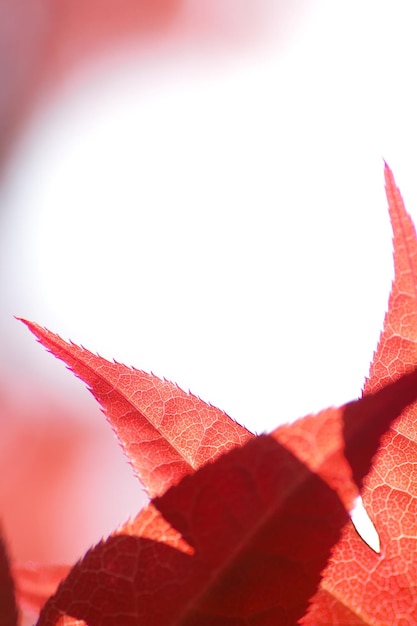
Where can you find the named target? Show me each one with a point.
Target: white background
(212, 209)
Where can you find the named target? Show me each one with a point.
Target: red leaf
(8, 608)
(244, 539)
(252, 531)
(381, 588)
(165, 432)
(397, 349)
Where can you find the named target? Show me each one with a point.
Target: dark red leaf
(8, 607)
(243, 540)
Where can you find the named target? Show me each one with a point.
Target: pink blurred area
(65, 482)
(42, 42)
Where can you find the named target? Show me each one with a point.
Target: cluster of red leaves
(247, 530)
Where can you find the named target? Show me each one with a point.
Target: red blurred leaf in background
(42, 41)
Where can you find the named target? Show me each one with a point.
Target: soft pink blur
(42, 42)
(65, 482)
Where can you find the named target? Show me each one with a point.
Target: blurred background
(194, 188)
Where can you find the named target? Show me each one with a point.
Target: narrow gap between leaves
(364, 526)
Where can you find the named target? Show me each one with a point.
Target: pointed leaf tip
(388, 496)
(165, 432)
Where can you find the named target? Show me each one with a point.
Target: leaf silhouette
(165, 432)
(244, 539)
(8, 608)
(382, 588)
(44, 43)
